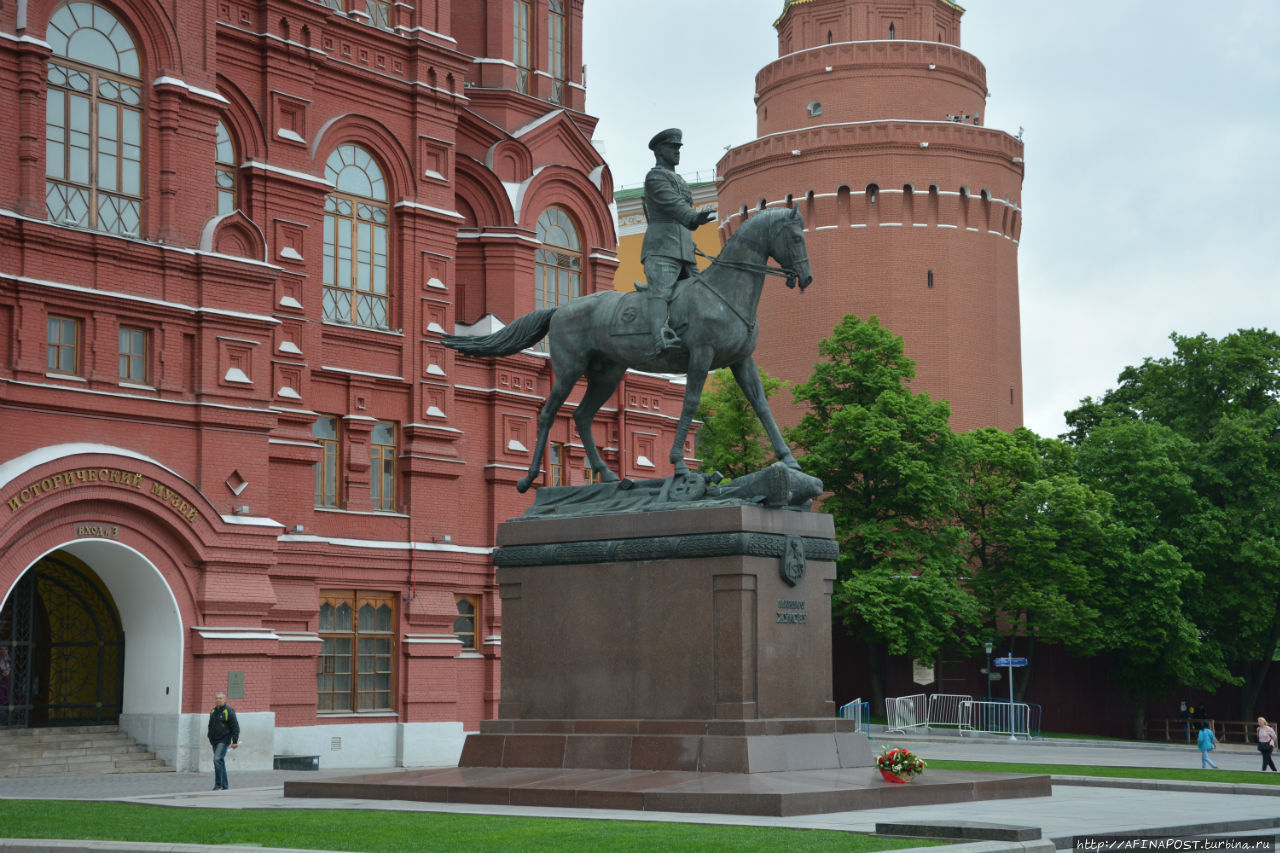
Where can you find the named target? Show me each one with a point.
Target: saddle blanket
(631, 315)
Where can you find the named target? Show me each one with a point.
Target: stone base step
(74, 750)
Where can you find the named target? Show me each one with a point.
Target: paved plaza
(1078, 805)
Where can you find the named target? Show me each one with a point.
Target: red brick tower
(870, 121)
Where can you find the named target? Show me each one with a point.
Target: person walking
(224, 732)
(1205, 742)
(1266, 743)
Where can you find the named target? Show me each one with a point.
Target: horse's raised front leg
(602, 379)
(748, 377)
(559, 393)
(699, 365)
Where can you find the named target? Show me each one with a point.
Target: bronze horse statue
(601, 335)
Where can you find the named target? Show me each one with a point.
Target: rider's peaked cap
(671, 134)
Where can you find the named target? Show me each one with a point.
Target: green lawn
(1175, 774)
(390, 832)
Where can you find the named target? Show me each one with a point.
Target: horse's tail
(522, 333)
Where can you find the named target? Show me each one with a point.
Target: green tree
(1037, 539)
(885, 454)
(732, 440)
(1220, 396)
(1153, 640)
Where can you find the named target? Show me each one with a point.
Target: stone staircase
(73, 750)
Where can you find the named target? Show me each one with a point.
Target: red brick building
(870, 121)
(236, 455)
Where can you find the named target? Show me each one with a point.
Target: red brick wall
(245, 292)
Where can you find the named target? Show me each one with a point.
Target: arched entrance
(73, 597)
(61, 633)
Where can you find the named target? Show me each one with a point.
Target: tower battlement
(908, 206)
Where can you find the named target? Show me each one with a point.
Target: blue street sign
(1010, 661)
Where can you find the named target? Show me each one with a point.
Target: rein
(743, 266)
(747, 266)
(749, 322)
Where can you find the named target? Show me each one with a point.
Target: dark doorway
(61, 648)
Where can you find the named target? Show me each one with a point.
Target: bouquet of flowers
(900, 762)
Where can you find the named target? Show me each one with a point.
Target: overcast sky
(1152, 193)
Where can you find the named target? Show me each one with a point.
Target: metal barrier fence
(859, 712)
(907, 712)
(1033, 724)
(1011, 718)
(1186, 728)
(944, 709)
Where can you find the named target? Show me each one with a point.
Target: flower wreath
(900, 762)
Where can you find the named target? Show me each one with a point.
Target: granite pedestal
(678, 661)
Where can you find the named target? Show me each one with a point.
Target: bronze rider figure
(667, 251)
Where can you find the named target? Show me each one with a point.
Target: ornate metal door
(65, 646)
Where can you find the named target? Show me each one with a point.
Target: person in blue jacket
(224, 732)
(1205, 742)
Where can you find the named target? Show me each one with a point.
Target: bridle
(782, 271)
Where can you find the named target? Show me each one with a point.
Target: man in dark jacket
(224, 731)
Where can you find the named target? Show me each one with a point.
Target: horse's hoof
(608, 477)
(792, 463)
(522, 485)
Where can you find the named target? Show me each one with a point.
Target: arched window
(355, 239)
(224, 165)
(815, 109)
(93, 121)
(892, 33)
(558, 272)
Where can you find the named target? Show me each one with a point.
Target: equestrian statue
(708, 321)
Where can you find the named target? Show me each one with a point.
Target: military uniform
(667, 250)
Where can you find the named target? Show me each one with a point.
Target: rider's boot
(663, 336)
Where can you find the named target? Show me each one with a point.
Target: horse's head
(788, 249)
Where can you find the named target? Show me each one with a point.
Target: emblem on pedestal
(792, 565)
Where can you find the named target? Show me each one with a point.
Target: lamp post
(988, 645)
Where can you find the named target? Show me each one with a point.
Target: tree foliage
(1153, 641)
(1150, 533)
(1038, 539)
(732, 439)
(884, 453)
(1190, 444)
